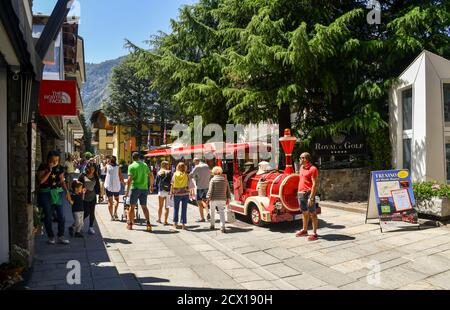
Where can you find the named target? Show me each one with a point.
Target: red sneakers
(301, 233)
(313, 238)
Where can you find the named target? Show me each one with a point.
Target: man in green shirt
(140, 182)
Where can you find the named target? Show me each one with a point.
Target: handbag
(170, 202)
(231, 217)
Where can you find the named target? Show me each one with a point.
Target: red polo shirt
(307, 173)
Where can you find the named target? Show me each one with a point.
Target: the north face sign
(58, 98)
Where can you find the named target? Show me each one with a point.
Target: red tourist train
(264, 195)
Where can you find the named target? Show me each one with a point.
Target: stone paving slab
(250, 257)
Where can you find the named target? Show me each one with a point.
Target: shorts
(201, 194)
(103, 178)
(138, 195)
(111, 194)
(303, 202)
(163, 194)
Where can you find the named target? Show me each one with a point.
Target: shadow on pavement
(336, 237)
(165, 232)
(236, 230)
(52, 263)
(122, 241)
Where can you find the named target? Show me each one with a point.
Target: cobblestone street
(249, 257)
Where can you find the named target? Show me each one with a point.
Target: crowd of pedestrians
(84, 183)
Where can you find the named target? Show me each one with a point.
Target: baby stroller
(126, 207)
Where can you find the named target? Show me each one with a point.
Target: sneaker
(313, 238)
(79, 235)
(51, 241)
(62, 240)
(91, 231)
(71, 232)
(301, 233)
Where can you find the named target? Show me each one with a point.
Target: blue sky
(106, 23)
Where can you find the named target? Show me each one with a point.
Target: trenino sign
(58, 98)
(391, 199)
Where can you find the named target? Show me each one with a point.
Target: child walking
(77, 197)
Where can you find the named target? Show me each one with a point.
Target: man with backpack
(163, 184)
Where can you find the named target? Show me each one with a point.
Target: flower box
(436, 206)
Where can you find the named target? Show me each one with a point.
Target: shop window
(407, 109)
(407, 154)
(447, 104)
(109, 146)
(110, 133)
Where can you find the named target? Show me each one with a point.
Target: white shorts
(163, 194)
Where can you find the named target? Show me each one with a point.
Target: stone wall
(349, 185)
(21, 212)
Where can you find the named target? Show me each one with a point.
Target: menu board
(391, 199)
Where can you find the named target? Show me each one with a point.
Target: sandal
(129, 226)
(301, 233)
(313, 238)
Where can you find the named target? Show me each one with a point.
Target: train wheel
(255, 216)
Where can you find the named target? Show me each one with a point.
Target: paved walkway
(250, 257)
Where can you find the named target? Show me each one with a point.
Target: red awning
(195, 149)
(231, 148)
(208, 149)
(158, 153)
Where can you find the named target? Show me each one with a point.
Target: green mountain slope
(95, 90)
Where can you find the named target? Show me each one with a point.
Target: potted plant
(432, 198)
(10, 274)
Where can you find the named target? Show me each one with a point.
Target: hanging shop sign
(391, 199)
(58, 98)
(340, 144)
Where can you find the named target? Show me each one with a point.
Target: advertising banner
(391, 199)
(58, 98)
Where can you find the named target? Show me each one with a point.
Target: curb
(344, 208)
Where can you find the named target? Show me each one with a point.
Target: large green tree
(261, 60)
(131, 103)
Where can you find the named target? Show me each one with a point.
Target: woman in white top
(113, 182)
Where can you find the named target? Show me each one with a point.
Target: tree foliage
(132, 102)
(245, 61)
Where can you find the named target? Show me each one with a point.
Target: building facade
(420, 119)
(22, 61)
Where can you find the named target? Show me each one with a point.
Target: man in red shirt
(307, 189)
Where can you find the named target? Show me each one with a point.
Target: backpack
(166, 180)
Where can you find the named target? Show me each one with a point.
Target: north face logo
(58, 97)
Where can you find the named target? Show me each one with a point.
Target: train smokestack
(288, 144)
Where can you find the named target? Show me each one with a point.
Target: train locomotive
(268, 196)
